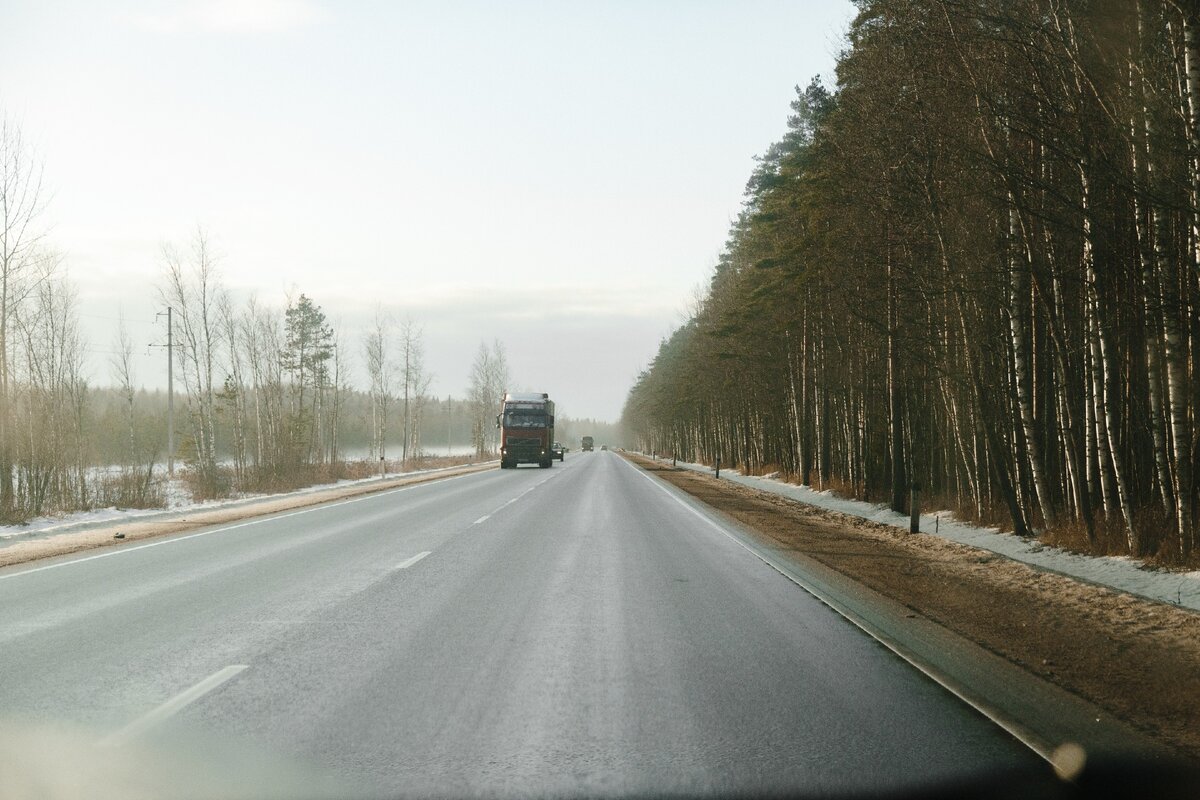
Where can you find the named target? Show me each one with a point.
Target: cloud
(231, 16)
(522, 298)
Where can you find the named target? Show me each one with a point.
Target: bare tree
(52, 395)
(415, 380)
(193, 288)
(377, 356)
(419, 405)
(21, 206)
(233, 391)
(121, 363)
(489, 380)
(480, 399)
(337, 389)
(134, 486)
(261, 337)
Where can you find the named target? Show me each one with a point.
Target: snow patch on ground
(1122, 573)
(179, 503)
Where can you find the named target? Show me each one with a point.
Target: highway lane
(173, 606)
(573, 630)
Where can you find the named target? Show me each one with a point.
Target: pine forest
(972, 265)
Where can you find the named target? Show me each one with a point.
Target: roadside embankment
(1138, 577)
(105, 535)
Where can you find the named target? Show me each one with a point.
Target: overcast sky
(560, 176)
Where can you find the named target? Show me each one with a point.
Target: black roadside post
(718, 468)
(914, 507)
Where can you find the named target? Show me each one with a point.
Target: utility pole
(170, 391)
(404, 446)
(170, 394)
(447, 425)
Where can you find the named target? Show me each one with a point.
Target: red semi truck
(526, 423)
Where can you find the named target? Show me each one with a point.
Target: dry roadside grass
(1135, 658)
(133, 530)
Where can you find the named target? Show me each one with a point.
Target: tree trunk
(1018, 324)
(899, 487)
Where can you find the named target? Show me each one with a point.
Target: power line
(118, 319)
(103, 352)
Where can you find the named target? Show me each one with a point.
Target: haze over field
(557, 176)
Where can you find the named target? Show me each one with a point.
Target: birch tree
(490, 379)
(377, 356)
(415, 380)
(21, 208)
(191, 285)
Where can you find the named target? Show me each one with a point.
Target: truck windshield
(524, 418)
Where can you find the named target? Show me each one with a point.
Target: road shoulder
(132, 530)
(1062, 648)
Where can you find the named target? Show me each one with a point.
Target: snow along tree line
(262, 394)
(975, 266)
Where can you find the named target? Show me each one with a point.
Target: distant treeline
(445, 427)
(972, 267)
(440, 431)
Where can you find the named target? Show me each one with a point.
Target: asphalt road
(576, 630)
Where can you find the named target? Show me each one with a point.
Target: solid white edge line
(170, 708)
(1013, 728)
(409, 562)
(256, 521)
(484, 518)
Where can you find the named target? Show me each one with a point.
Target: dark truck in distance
(587, 444)
(526, 423)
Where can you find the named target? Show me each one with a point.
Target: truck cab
(526, 423)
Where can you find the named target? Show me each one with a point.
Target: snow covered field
(1122, 573)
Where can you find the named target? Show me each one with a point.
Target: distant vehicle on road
(603, 447)
(526, 423)
(587, 444)
(557, 451)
